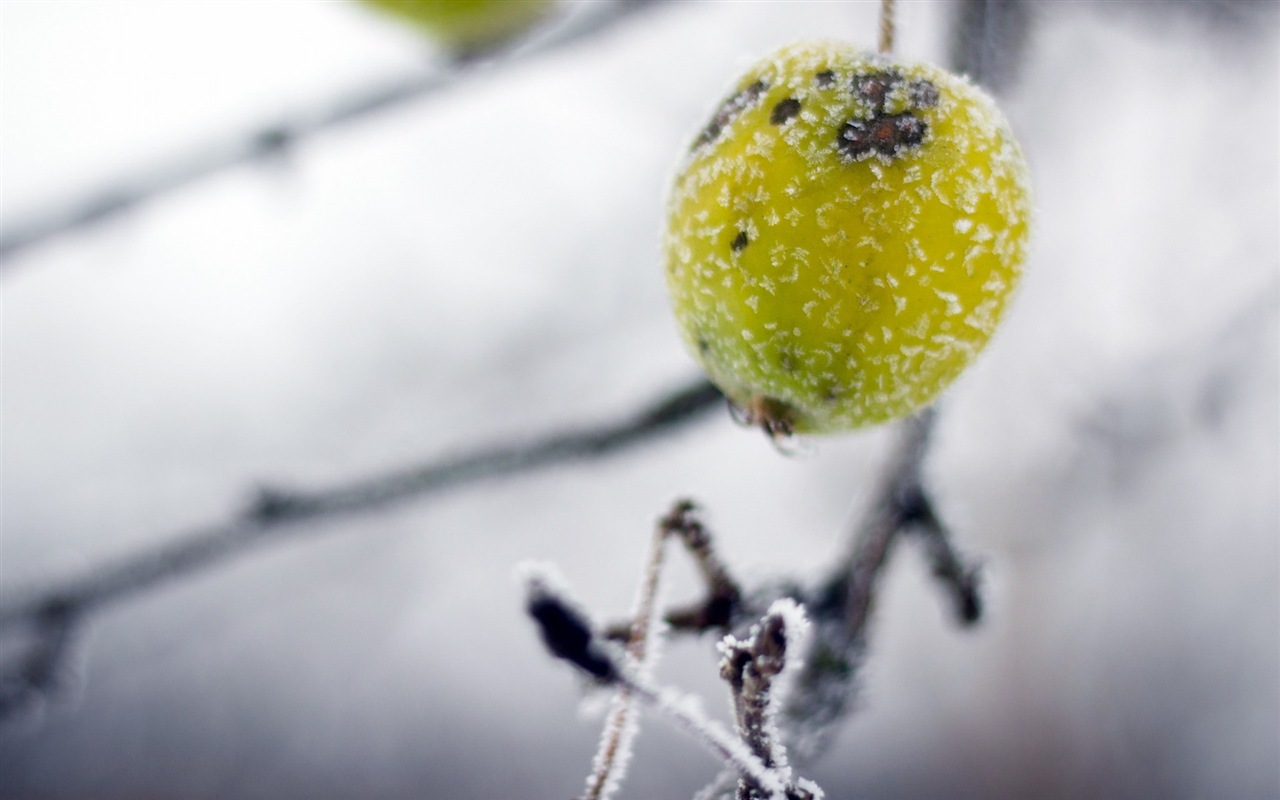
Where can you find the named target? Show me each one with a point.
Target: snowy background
(480, 266)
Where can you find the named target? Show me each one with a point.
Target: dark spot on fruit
(883, 133)
(887, 135)
(732, 106)
(875, 87)
(740, 241)
(704, 346)
(923, 94)
(825, 78)
(784, 110)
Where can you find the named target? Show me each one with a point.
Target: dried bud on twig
(565, 630)
(757, 670)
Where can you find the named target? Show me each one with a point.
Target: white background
(482, 265)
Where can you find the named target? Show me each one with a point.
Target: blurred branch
(989, 39)
(842, 606)
(274, 138)
(50, 613)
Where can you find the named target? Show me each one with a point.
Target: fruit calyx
(775, 417)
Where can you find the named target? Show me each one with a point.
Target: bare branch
(274, 138)
(898, 502)
(841, 608)
(275, 512)
(38, 673)
(961, 579)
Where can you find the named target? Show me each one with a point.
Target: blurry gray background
(481, 265)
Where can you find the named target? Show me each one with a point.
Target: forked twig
(722, 605)
(569, 635)
(841, 607)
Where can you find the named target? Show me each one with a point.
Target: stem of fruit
(774, 417)
(886, 27)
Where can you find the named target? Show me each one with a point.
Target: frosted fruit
(843, 236)
(467, 24)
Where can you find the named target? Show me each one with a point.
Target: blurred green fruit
(467, 24)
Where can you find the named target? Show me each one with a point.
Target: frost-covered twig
(275, 512)
(272, 139)
(841, 606)
(757, 670)
(569, 635)
(724, 596)
(722, 604)
(620, 727)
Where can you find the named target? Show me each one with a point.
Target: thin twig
(886, 27)
(898, 502)
(618, 728)
(276, 511)
(755, 670)
(569, 635)
(272, 139)
(684, 711)
(39, 672)
(961, 579)
(722, 605)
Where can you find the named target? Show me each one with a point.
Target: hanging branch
(274, 138)
(50, 613)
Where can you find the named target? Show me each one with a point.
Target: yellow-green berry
(467, 24)
(844, 236)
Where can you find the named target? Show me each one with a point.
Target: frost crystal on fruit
(843, 236)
